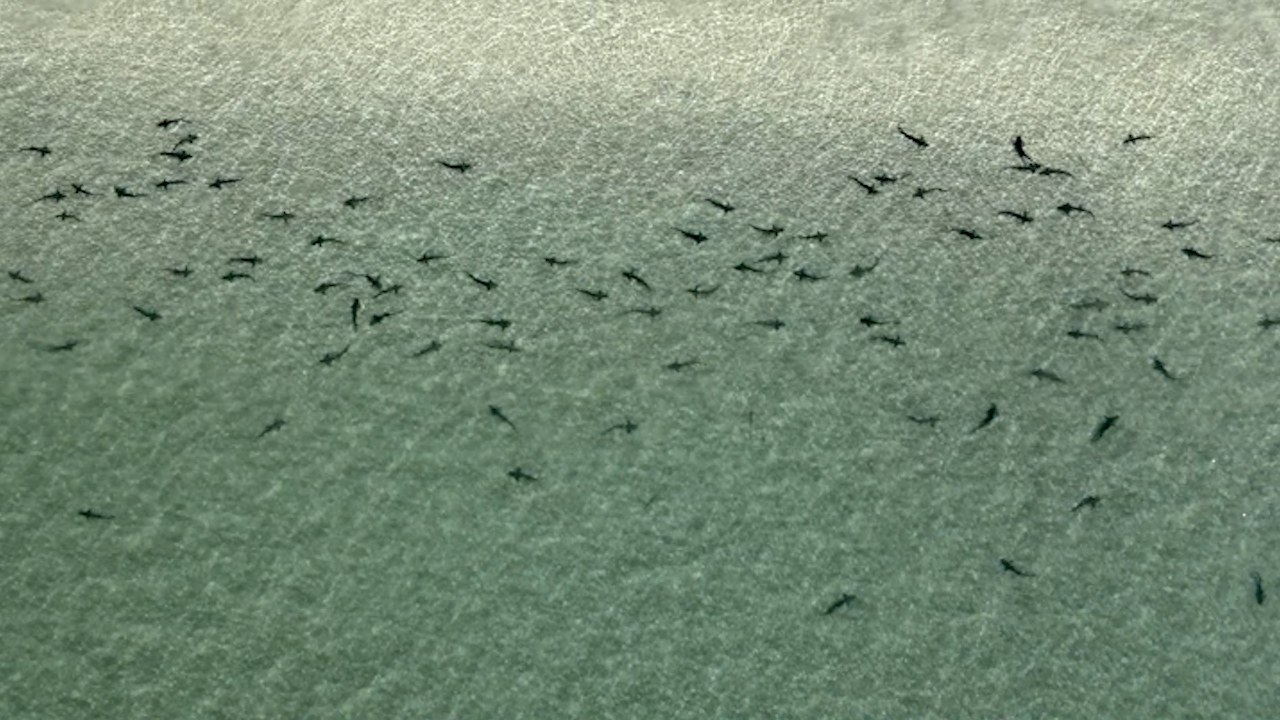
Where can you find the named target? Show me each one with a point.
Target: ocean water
(677, 509)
